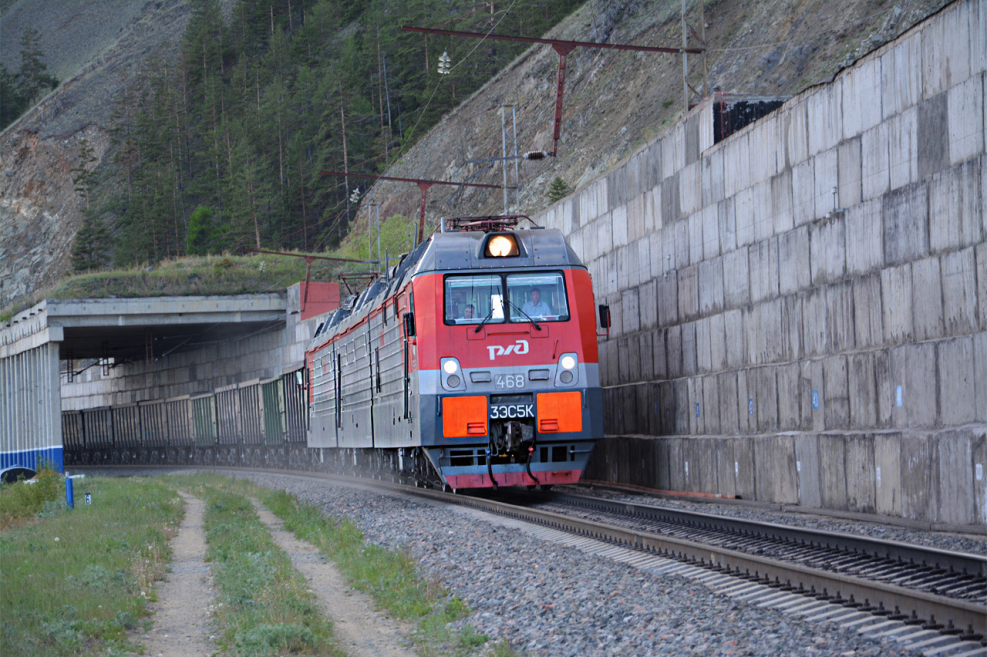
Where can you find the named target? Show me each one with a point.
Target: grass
(20, 502)
(390, 577)
(263, 605)
(74, 582)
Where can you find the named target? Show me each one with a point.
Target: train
(471, 364)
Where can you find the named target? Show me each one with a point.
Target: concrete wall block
(764, 225)
(668, 300)
(887, 474)
(903, 148)
(774, 469)
(956, 477)
(875, 158)
(906, 220)
(763, 258)
(782, 210)
(630, 311)
(815, 322)
(703, 357)
(711, 231)
(864, 237)
(825, 117)
(618, 226)
(979, 449)
(697, 418)
(635, 218)
(672, 351)
(832, 471)
(736, 278)
(981, 260)
(980, 375)
(912, 386)
(688, 294)
(794, 127)
(808, 470)
(616, 182)
(861, 97)
(789, 401)
(645, 349)
(867, 312)
(695, 224)
(927, 319)
(736, 165)
(711, 293)
(978, 38)
(712, 178)
(837, 395)
(744, 217)
(955, 207)
(764, 138)
(839, 302)
(766, 332)
(933, 136)
(690, 188)
(662, 247)
(945, 54)
(728, 407)
(861, 490)
(849, 172)
(651, 201)
(648, 303)
(681, 256)
(766, 399)
(901, 76)
(919, 476)
(827, 249)
(690, 362)
(733, 321)
(803, 192)
(792, 347)
(957, 381)
(711, 406)
(660, 357)
(863, 391)
(717, 342)
(648, 265)
(670, 207)
(669, 166)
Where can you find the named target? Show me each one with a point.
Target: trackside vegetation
(75, 582)
(20, 502)
(263, 605)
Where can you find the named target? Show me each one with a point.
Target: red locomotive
(473, 365)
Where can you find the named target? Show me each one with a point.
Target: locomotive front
(509, 380)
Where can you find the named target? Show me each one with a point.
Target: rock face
(39, 210)
(103, 51)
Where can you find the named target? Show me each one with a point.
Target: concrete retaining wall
(768, 346)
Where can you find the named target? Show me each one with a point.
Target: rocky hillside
(616, 101)
(94, 49)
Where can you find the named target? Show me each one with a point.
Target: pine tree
(82, 173)
(558, 190)
(34, 77)
(12, 103)
(93, 244)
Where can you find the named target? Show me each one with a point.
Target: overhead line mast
(563, 48)
(423, 184)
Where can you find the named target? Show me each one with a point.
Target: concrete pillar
(30, 407)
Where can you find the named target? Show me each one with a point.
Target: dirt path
(182, 620)
(359, 628)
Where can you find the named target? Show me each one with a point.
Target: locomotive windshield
(473, 299)
(538, 296)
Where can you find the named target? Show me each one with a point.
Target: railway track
(902, 589)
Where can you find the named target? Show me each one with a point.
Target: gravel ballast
(548, 599)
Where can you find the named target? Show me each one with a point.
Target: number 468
(510, 381)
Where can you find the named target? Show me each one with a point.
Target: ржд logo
(520, 348)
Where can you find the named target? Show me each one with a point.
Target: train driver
(536, 307)
(469, 312)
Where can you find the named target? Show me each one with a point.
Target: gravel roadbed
(971, 543)
(547, 599)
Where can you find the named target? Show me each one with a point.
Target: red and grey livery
(473, 365)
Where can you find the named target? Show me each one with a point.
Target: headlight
(567, 373)
(568, 362)
(502, 246)
(450, 367)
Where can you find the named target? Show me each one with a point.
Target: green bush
(21, 500)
